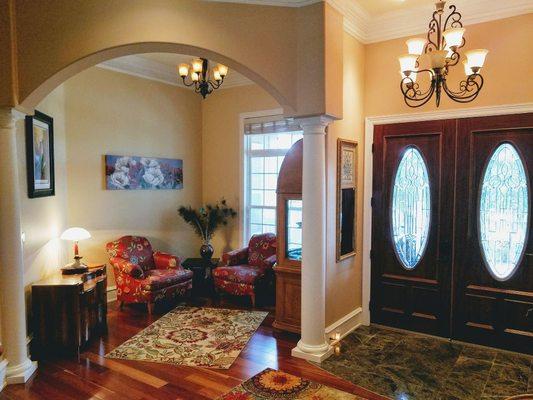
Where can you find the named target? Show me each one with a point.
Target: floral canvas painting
(137, 173)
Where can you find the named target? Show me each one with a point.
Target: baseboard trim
(111, 293)
(3, 366)
(346, 324)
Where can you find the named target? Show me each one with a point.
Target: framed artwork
(143, 173)
(40, 155)
(346, 198)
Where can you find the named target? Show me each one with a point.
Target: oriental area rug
(278, 385)
(193, 336)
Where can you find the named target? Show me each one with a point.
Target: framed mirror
(346, 198)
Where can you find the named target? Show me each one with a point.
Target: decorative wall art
(346, 198)
(143, 173)
(40, 155)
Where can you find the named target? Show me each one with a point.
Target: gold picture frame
(346, 212)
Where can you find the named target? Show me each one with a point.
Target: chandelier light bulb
(453, 37)
(416, 46)
(197, 65)
(195, 77)
(183, 70)
(222, 69)
(476, 58)
(408, 62)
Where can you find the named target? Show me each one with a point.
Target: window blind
(269, 125)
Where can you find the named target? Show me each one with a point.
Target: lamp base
(75, 268)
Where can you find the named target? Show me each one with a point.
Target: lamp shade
(476, 58)
(468, 68)
(408, 62)
(183, 70)
(416, 46)
(222, 69)
(197, 65)
(437, 58)
(454, 37)
(75, 234)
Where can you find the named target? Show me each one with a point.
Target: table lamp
(75, 235)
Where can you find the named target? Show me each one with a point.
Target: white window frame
(243, 170)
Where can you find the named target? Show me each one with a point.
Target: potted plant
(205, 221)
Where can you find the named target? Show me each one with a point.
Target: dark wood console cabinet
(68, 311)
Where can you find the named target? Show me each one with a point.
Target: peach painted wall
(114, 113)
(279, 48)
(343, 279)
(507, 70)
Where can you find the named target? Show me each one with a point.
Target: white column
(12, 302)
(313, 345)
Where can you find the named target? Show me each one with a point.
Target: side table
(202, 281)
(68, 311)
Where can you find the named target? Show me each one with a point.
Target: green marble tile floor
(408, 366)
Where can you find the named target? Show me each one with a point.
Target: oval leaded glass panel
(411, 208)
(503, 211)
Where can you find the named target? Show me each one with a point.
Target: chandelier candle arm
(444, 38)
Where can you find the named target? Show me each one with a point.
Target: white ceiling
(161, 67)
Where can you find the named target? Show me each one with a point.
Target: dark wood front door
(494, 286)
(451, 243)
(411, 275)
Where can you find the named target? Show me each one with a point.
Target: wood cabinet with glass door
(289, 246)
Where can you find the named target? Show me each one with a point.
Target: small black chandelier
(199, 77)
(440, 47)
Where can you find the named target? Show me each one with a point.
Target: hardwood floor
(95, 377)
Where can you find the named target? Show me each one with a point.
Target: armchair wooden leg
(252, 298)
(150, 307)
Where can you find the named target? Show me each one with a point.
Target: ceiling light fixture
(199, 76)
(440, 48)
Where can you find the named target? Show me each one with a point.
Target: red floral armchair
(243, 271)
(145, 276)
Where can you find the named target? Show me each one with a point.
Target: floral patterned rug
(278, 385)
(194, 336)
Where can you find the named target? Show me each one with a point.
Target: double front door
(451, 243)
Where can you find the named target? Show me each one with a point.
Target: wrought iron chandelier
(199, 76)
(444, 39)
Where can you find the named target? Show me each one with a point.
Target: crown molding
(152, 70)
(412, 21)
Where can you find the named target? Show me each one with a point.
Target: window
(504, 211)
(411, 208)
(266, 143)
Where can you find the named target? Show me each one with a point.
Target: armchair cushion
(166, 261)
(260, 249)
(126, 267)
(157, 279)
(235, 257)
